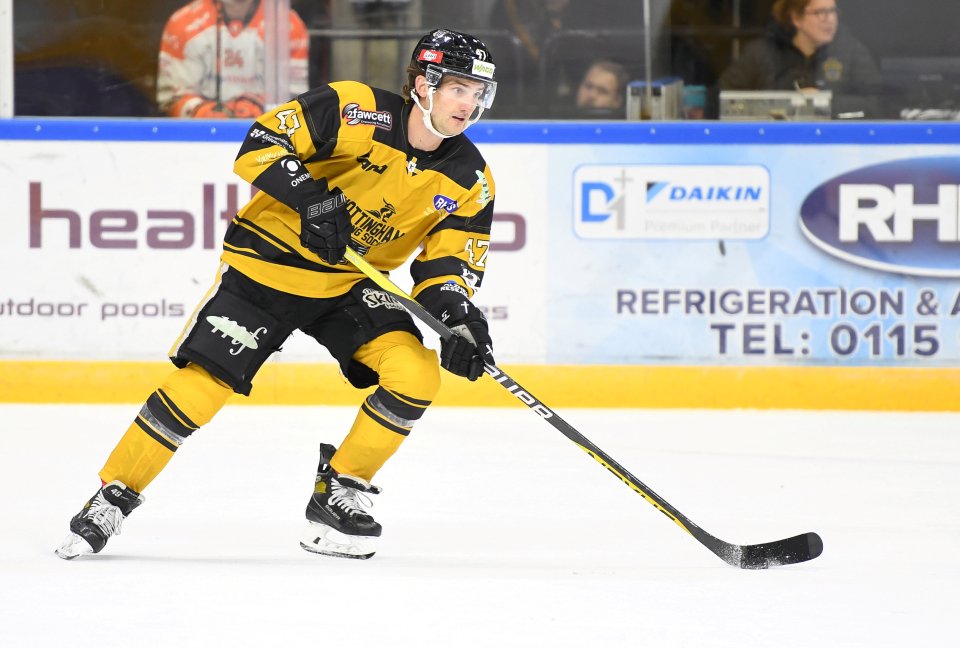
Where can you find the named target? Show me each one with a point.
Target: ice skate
(99, 520)
(338, 524)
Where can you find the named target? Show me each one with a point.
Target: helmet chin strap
(428, 119)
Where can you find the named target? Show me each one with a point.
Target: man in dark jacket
(805, 48)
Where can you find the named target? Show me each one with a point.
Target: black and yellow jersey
(400, 199)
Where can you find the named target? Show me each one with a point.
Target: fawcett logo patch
(354, 114)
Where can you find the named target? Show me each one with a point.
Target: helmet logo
(483, 69)
(430, 56)
(481, 54)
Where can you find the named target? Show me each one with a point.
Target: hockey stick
(797, 549)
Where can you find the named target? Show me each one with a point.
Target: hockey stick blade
(788, 551)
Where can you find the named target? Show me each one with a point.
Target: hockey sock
(186, 400)
(371, 441)
(409, 380)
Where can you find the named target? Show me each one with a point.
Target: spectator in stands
(602, 90)
(805, 48)
(534, 23)
(212, 60)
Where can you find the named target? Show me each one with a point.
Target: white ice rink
(497, 532)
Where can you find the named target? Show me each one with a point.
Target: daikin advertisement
(754, 255)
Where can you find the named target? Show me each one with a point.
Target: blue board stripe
(514, 132)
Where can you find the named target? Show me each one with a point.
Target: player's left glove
(465, 352)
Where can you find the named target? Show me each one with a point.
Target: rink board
(662, 264)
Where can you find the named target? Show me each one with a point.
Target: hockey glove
(465, 352)
(324, 222)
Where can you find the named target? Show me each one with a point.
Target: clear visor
(459, 86)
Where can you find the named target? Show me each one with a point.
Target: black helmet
(444, 51)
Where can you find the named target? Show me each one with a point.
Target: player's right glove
(465, 352)
(324, 222)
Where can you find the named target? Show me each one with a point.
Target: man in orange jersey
(392, 176)
(212, 60)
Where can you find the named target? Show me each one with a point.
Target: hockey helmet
(444, 51)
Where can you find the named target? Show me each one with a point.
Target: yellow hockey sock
(186, 400)
(137, 458)
(371, 441)
(409, 380)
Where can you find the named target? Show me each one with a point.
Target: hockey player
(212, 60)
(343, 164)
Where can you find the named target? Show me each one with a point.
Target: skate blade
(73, 546)
(321, 539)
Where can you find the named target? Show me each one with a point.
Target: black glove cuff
(444, 298)
(311, 193)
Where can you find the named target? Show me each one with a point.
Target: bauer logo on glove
(327, 206)
(325, 226)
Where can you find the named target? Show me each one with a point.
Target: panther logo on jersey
(371, 227)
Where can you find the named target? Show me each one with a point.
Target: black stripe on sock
(156, 436)
(393, 427)
(176, 410)
(410, 399)
(165, 415)
(399, 406)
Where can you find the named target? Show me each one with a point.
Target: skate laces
(351, 500)
(106, 516)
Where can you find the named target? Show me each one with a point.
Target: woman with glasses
(805, 47)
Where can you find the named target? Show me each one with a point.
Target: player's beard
(448, 125)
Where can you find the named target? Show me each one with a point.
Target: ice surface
(497, 532)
